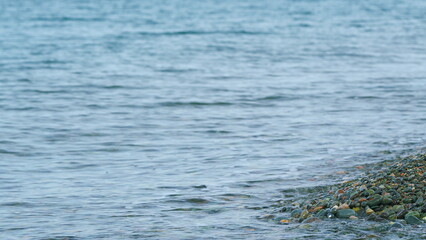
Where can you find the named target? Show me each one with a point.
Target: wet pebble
(395, 192)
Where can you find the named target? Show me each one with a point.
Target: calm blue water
(179, 119)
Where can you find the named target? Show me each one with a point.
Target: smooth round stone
(381, 228)
(305, 226)
(321, 213)
(396, 225)
(377, 199)
(413, 213)
(412, 220)
(279, 218)
(305, 214)
(369, 211)
(387, 200)
(419, 201)
(296, 213)
(345, 213)
(311, 220)
(398, 208)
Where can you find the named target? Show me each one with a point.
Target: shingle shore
(397, 191)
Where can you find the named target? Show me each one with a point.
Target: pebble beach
(390, 192)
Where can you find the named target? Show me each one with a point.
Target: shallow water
(182, 119)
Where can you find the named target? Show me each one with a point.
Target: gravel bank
(392, 191)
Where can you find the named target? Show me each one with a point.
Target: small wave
(271, 98)
(348, 55)
(61, 238)
(175, 70)
(24, 80)
(197, 200)
(110, 150)
(277, 97)
(236, 195)
(95, 106)
(54, 62)
(208, 211)
(2, 151)
(128, 216)
(80, 166)
(184, 210)
(303, 13)
(46, 91)
(364, 97)
(188, 200)
(15, 204)
(195, 32)
(356, 25)
(302, 25)
(217, 132)
(219, 48)
(67, 19)
(172, 187)
(194, 104)
(266, 180)
(100, 86)
(93, 134)
(23, 109)
(15, 229)
(113, 87)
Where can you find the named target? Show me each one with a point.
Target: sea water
(184, 119)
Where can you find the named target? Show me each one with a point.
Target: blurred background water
(180, 119)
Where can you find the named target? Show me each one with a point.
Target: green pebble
(277, 219)
(305, 226)
(296, 213)
(345, 213)
(419, 201)
(398, 208)
(377, 199)
(387, 200)
(381, 228)
(413, 213)
(412, 219)
(397, 225)
(321, 213)
(311, 220)
(305, 214)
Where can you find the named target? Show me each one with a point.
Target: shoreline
(391, 191)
